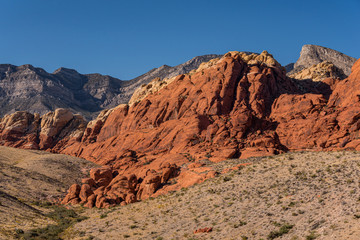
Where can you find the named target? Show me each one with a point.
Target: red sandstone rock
(130, 198)
(203, 230)
(91, 182)
(99, 191)
(73, 195)
(168, 170)
(85, 192)
(149, 185)
(99, 173)
(101, 202)
(195, 165)
(120, 190)
(120, 187)
(90, 201)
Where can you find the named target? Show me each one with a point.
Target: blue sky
(127, 38)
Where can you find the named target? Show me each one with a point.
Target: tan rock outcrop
(319, 72)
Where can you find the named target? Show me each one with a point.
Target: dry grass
(29, 177)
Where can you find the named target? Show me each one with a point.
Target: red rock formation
(25, 130)
(73, 195)
(239, 106)
(106, 187)
(310, 121)
(217, 110)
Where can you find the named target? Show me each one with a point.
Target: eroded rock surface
(26, 130)
(106, 187)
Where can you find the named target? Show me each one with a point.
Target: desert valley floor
(302, 195)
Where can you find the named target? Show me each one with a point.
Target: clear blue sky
(127, 38)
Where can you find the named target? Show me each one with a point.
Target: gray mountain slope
(313, 54)
(37, 91)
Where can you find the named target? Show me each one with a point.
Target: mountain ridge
(33, 89)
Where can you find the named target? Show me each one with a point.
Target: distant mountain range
(37, 91)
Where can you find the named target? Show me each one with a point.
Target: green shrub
(62, 216)
(284, 229)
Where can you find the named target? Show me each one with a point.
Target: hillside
(304, 195)
(28, 177)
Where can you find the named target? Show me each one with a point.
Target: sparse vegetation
(284, 229)
(262, 201)
(311, 236)
(62, 216)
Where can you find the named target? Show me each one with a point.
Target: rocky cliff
(34, 90)
(312, 55)
(237, 106)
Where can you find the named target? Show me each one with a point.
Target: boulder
(73, 195)
(102, 176)
(91, 200)
(85, 192)
(203, 230)
(149, 185)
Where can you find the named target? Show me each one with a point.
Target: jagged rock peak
(255, 58)
(29, 66)
(65, 70)
(313, 54)
(248, 57)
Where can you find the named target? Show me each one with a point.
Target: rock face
(238, 106)
(159, 83)
(26, 130)
(36, 91)
(219, 109)
(311, 55)
(319, 72)
(165, 72)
